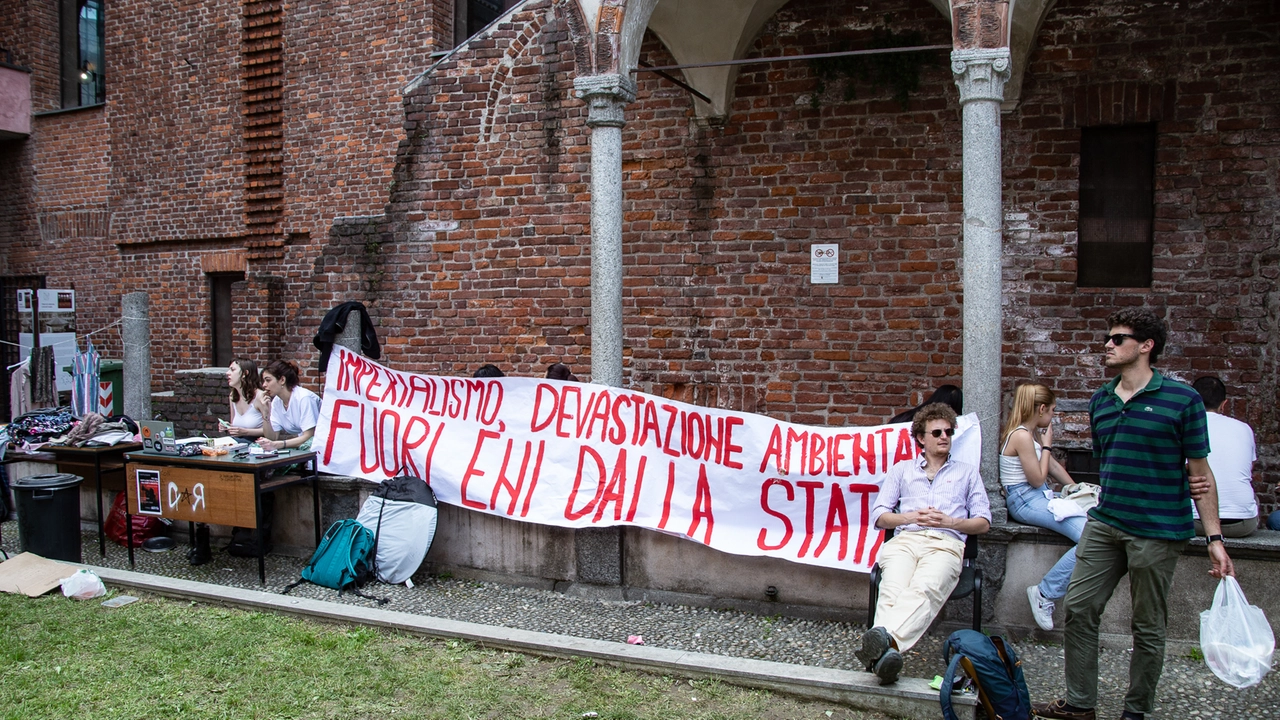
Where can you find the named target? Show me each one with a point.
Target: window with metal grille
(1117, 206)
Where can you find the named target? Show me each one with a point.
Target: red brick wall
(346, 67)
(199, 398)
(173, 98)
(166, 158)
(718, 224)
(1208, 76)
(719, 217)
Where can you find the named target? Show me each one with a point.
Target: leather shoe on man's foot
(874, 644)
(1060, 710)
(888, 667)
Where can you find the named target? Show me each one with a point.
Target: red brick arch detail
(503, 72)
(580, 35)
(979, 24)
(595, 50)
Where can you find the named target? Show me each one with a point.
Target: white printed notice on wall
(824, 264)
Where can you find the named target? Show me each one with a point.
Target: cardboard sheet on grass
(31, 575)
(582, 455)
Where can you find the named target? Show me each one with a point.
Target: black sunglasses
(937, 432)
(1118, 339)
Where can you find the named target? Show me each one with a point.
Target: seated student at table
(246, 390)
(934, 501)
(289, 421)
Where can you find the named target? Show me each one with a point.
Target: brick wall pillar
(981, 75)
(606, 97)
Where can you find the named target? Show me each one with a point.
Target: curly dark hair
(1145, 326)
(935, 411)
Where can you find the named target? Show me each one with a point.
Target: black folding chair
(970, 582)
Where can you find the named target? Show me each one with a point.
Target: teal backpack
(994, 668)
(344, 560)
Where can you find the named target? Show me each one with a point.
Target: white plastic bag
(84, 585)
(1235, 637)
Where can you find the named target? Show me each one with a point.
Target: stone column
(598, 551)
(606, 96)
(349, 338)
(135, 332)
(981, 75)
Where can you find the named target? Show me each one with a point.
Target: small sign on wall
(824, 264)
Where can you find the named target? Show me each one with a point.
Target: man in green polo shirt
(1149, 432)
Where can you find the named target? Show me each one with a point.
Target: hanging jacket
(332, 326)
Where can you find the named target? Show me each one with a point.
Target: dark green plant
(898, 71)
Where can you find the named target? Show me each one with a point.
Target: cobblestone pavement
(1188, 690)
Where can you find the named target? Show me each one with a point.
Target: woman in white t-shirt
(246, 391)
(289, 421)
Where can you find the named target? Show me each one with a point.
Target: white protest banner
(582, 455)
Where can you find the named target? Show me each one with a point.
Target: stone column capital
(606, 97)
(981, 74)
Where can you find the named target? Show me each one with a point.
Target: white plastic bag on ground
(1235, 637)
(84, 585)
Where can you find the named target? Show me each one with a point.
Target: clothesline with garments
(78, 337)
(34, 383)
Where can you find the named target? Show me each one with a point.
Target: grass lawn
(160, 658)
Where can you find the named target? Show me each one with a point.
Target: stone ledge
(1263, 544)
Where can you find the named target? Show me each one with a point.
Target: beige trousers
(918, 571)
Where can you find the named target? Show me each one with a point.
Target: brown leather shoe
(1057, 710)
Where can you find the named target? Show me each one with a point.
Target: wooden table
(95, 463)
(218, 489)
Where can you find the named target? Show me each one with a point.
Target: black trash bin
(49, 515)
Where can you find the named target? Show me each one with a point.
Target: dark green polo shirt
(1144, 445)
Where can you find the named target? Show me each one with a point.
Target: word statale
(582, 455)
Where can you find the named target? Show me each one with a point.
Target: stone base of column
(598, 555)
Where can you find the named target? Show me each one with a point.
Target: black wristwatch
(1210, 538)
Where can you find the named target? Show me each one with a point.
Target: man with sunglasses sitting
(1146, 429)
(935, 502)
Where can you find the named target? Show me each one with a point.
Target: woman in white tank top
(246, 387)
(1026, 468)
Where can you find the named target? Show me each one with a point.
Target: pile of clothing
(37, 427)
(95, 430)
(59, 427)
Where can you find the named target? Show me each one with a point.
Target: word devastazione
(582, 455)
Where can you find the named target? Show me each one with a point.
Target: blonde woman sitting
(1026, 466)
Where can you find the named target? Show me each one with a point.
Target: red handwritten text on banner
(582, 455)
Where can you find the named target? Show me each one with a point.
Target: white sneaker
(1041, 608)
